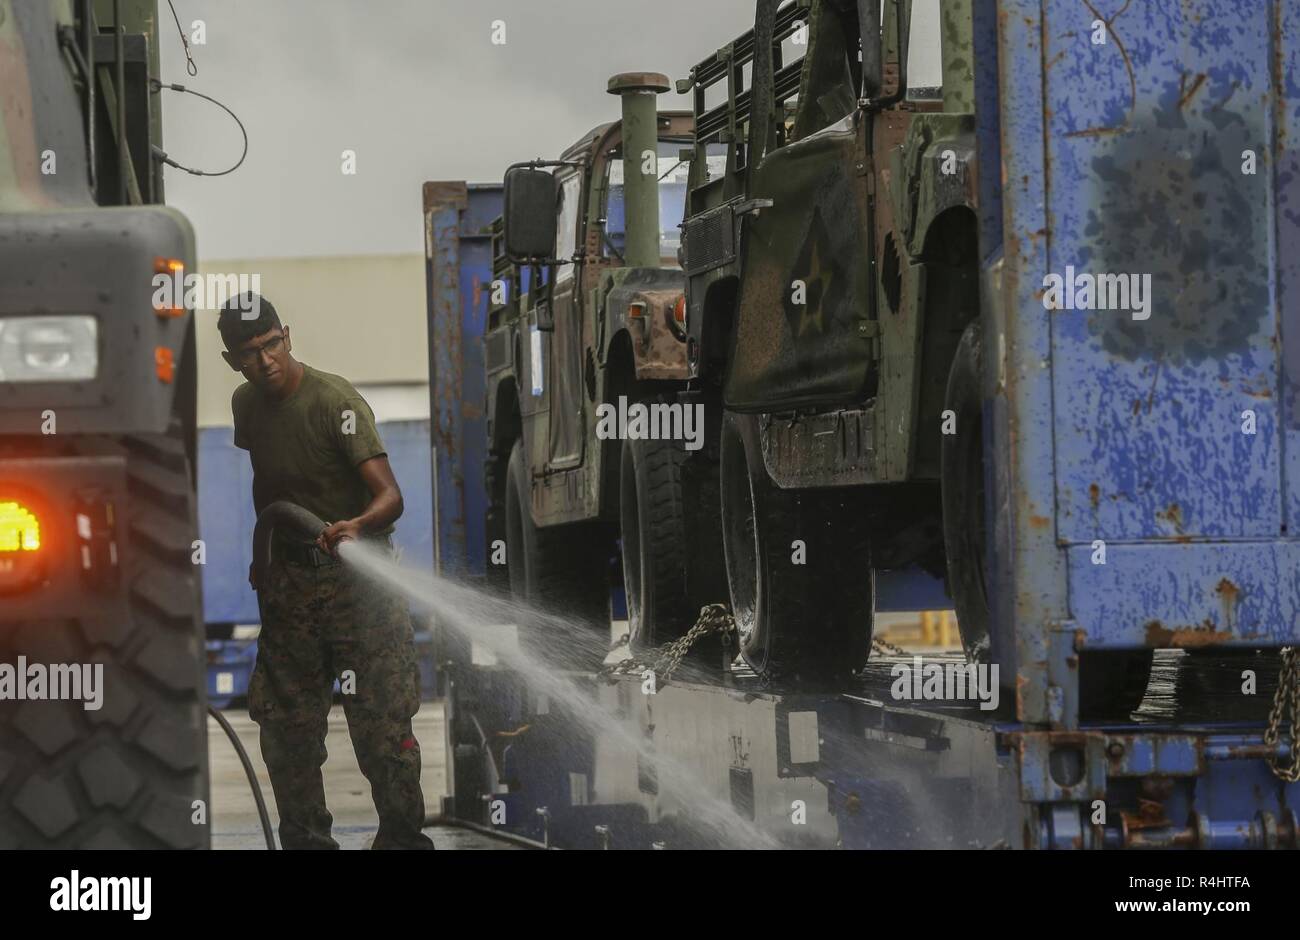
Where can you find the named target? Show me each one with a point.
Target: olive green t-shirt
(306, 448)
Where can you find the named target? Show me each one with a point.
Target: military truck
(586, 328)
(831, 276)
(102, 686)
(872, 378)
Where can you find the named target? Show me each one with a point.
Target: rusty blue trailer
(1145, 477)
(1143, 482)
(458, 218)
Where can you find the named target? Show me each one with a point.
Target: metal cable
(160, 154)
(190, 65)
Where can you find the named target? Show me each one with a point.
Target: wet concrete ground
(234, 813)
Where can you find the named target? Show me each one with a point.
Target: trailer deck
(852, 768)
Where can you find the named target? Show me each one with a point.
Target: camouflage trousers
(319, 624)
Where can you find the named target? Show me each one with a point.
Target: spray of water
(551, 645)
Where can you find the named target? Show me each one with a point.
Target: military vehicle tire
(562, 570)
(127, 775)
(1112, 683)
(655, 551)
(805, 622)
(962, 484)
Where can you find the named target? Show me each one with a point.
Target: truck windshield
(673, 172)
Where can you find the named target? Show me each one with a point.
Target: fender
(642, 304)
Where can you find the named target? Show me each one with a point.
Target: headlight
(48, 349)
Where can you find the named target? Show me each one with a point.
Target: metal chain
(884, 646)
(1286, 707)
(663, 662)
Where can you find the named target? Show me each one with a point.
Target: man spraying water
(312, 441)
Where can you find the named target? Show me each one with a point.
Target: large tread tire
(1112, 683)
(560, 570)
(808, 623)
(129, 774)
(963, 494)
(652, 525)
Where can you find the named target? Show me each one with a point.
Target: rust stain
(1160, 636)
(1094, 495)
(1191, 92)
(1039, 522)
(1227, 589)
(1173, 515)
(1150, 815)
(1229, 594)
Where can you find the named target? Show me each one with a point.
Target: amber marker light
(175, 270)
(164, 364)
(20, 530)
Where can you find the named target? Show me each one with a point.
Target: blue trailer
(1143, 481)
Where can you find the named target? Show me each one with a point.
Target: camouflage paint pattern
(317, 624)
(856, 196)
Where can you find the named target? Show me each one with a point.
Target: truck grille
(708, 241)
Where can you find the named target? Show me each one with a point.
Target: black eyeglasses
(250, 357)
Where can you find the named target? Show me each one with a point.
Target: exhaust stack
(640, 150)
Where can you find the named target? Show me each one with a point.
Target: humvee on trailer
(587, 311)
(832, 275)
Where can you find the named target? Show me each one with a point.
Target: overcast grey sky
(415, 87)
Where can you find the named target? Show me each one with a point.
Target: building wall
(360, 317)
(226, 514)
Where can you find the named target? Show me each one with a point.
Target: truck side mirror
(531, 198)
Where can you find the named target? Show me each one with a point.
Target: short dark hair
(235, 325)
